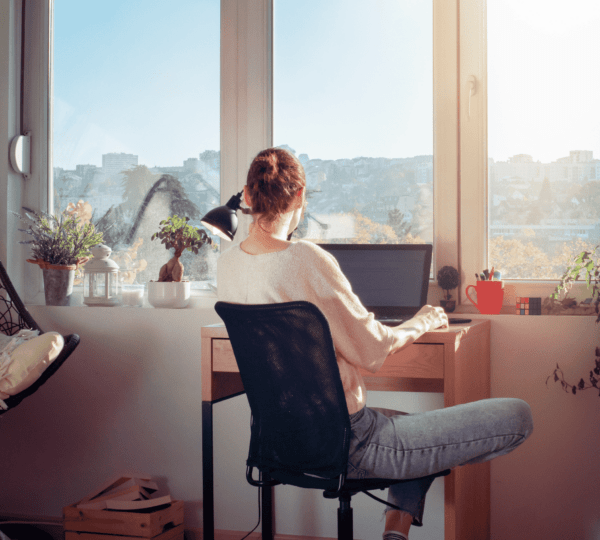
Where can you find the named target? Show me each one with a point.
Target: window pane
(136, 122)
(544, 131)
(353, 98)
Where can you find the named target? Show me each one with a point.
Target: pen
(476, 276)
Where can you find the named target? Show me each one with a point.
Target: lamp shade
(223, 220)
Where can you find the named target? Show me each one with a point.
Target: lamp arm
(235, 202)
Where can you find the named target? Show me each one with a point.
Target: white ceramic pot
(173, 294)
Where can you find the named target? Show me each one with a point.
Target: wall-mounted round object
(20, 154)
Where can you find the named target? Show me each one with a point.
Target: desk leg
(208, 503)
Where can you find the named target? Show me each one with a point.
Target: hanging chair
(14, 317)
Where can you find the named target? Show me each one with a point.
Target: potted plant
(59, 246)
(448, 279)
(586, 264)
(175, 232)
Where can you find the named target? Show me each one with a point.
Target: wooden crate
(138, 524)
(171, 534)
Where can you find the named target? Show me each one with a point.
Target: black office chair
(300, 432)
(15, 317)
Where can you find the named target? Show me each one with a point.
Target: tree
(518, 258)
(546, 195)
(136, 184)
(398, 224)
(179, 203)
(589, 195)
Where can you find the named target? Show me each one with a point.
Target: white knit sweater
(304, 271)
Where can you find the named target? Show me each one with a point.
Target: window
(475, 205)
(281, 60)
(169, 71)
(353, 99)
(135, 128)
(544, 139)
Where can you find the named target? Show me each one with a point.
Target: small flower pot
(58, 281)
(448, 305)
(58, 286)
(170, 294)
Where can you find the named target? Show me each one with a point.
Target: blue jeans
(388, 444)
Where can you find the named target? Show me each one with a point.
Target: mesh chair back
(13, 314)
(290, 374)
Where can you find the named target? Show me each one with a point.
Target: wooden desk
(455, 361)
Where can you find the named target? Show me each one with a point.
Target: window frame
(460, 138)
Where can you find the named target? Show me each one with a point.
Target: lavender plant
(58, 241)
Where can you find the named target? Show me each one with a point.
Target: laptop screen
(390, 279)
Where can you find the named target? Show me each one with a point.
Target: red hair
(274, 180)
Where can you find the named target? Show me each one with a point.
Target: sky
(351, 78)
(543, 78)
(135, 76)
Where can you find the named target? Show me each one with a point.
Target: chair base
(345, 519)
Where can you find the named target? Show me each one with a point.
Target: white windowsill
(199, 299)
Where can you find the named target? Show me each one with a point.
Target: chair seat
(330, 485)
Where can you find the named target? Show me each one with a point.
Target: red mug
(490, 296)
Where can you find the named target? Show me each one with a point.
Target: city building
(114, 164)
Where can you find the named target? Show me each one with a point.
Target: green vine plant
(586, 264)
(175, 232)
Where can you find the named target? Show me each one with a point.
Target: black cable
(381, 500)
(22, 65)
(259, 514)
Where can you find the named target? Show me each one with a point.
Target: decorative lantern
(100, 283)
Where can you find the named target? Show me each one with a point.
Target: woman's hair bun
(274, 179)
(267, 168)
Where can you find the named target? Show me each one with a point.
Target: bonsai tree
(61, 241)
(448, 279)
(586, 264)
(175, 232)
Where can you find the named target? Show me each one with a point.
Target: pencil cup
(490, 296)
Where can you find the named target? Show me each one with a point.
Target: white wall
(129, 399)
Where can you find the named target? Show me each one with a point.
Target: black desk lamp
(223, 220)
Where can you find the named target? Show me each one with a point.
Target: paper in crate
(124, 493)
(127, 505)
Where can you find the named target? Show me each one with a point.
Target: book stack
(125, 493)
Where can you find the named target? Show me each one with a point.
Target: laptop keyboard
(391, 321)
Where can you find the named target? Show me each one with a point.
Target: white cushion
(28, 361)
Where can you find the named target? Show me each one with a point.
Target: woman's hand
(427, 318)
(432, 317)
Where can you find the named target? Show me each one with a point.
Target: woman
(268, 268)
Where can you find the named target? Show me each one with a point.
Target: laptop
(391, 280)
